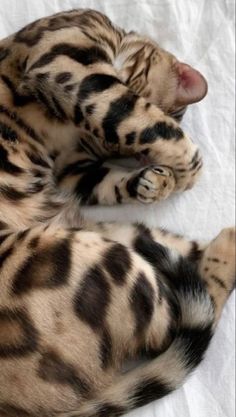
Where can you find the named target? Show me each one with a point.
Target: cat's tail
(167, 372)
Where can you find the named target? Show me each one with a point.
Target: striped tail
(167, 372)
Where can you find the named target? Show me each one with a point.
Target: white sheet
(202, 33)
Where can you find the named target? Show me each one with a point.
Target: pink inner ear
(192, 86)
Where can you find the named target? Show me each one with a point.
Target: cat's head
(158, 76)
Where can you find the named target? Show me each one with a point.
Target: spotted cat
(78, 299)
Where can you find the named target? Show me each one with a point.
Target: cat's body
(77, 299)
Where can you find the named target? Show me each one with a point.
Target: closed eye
(178, 114)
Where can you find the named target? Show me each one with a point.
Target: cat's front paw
(152, 184)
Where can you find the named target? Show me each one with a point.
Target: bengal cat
(78, 299)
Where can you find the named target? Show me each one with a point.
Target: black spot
(88, 145)
(37, 159)
(35, 188)
(96, 83)
(142, 303)
(13, 411)
(18, 99)
(93, 201)
(59, 111)
(197, 164)
(84, 56)
(12, 194)
(28, 340)
(53, 368)
(130, 138)
(92, 298)
(106, 349)
(181, 170)
(20, 123)
(54, 155)
(111, 410)
(4, 256)
(132, 186)
(96, 133)
(156, 254)
(63, 77)
(219, 282)
(26, 35)
(70, 87)
(143, 230)
(118, 195)
(3, 237)
(216, 260)
(3, 225)
(147, 106)
(51, 105)
(50, 205)
(48, 268)
(38, 174)
(22, 235)
(86, 184)
(118, 111)
(91, 18)
(76, 168)
(87, 126)
(133, 182)
(166, 272)
(145, 152)
(42, 98)
(180, 275)
(43, 76)
(149, 390)
(195, 253)
(117, 262)
(8, 133)
(78, 114)
(33, 243)
(90, 109)
(161, 130)
(195, 159)
(6, 165)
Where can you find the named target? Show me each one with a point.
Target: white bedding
(200, 32)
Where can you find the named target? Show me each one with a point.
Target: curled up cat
(77, 298)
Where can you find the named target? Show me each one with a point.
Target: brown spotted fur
(79, 299)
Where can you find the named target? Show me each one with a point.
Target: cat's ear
(192, 86)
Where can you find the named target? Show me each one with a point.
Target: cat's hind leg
(218, 268)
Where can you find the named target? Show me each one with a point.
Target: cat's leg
(98, 182)
(217, 267)
(138, 235)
